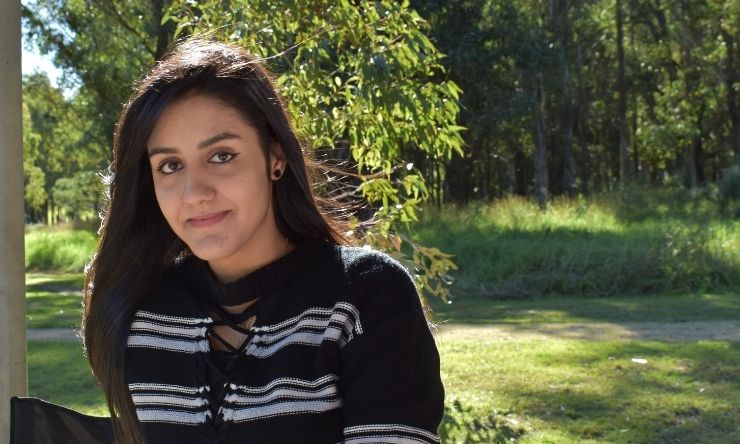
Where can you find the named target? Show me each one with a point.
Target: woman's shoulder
(368, 263)
(375, 279)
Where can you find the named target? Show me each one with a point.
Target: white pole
(12, 288)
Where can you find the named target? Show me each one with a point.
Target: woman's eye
(169, 167)
(222, 157)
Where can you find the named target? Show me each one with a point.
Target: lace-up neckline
(254, 287)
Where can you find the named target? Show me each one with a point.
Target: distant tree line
(559, 97)
(575, 96)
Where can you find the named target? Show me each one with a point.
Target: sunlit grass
(633, 243)
(563, 391)
(58, 250)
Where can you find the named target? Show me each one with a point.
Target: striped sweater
(340, 352)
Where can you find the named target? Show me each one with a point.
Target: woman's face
(212, 185)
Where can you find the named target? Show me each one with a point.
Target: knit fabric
(340, 352)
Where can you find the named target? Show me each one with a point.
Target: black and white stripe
(388, 434)
(339, 324)
(173, 404)
(283, 396)
(172, 333)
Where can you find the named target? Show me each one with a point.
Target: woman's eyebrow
(201, 145)
(217, 138)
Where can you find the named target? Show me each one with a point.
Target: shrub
(62, 250)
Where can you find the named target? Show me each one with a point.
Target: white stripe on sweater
(394, 431)
(278, 409)
(156, 342)
(173, 417)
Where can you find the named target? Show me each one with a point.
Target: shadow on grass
(689, 392)
(53, 300)
(53, 310)
(59, 373)
(646, 308)
(54, 282)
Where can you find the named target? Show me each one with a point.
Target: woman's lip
(207, 220)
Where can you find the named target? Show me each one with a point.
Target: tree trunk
(624, 166)
(458, 178)
(520, 181)
(540, 139)
(164, 32)
(582, 119)
(636, 168)
(569, 163)
(731, 78)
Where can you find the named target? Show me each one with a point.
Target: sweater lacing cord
(232, 354)
(233, 321)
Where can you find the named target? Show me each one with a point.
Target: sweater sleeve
(390, 380)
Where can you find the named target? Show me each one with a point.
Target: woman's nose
(197, 188)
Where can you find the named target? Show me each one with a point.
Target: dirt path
(53, 335)
(601, 331)
(648, 331)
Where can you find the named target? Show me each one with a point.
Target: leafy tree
(654, 99)
(34, 193)
(361, 82)
(101, 46)
(78, 196)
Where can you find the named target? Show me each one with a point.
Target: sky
(32, 60)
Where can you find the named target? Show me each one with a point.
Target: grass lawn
(59, 373)
(565, 391)
(53, 300)
(644, 308)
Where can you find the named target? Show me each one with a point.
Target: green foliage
(58, 250)
(461, 425)
(362, 79)
(79, 195)
(729, 191)
(611, 244)
(681, 67)
(101, 46)
(56, 150)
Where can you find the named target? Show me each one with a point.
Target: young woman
(222, 304)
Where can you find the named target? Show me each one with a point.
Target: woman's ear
(277, 162)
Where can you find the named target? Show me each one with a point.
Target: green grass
(53, 300)
(645, 308)
(618, 244)
(49, 249)
(59, 373)
(563, 391)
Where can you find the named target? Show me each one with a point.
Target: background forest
(559, 97)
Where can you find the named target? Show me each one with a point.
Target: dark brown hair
(136, 245)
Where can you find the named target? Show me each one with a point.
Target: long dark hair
(136, 245)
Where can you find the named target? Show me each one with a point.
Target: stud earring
(277, 174)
